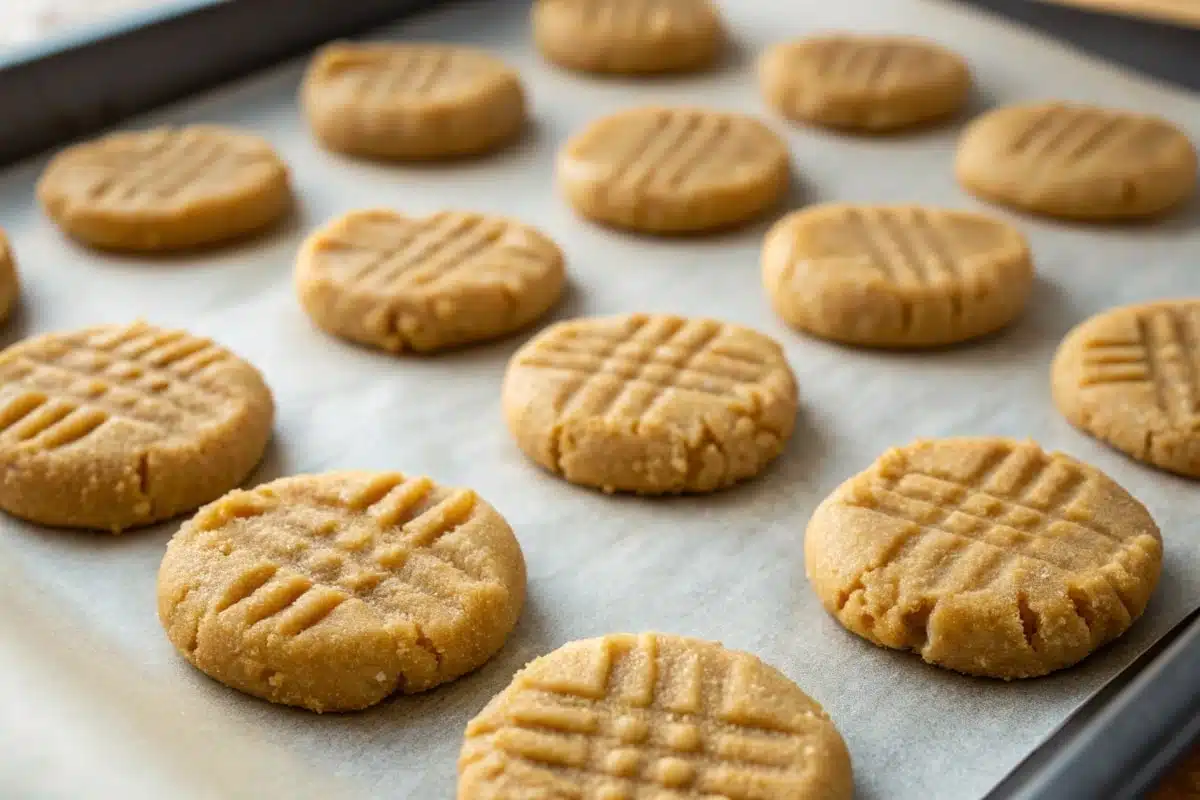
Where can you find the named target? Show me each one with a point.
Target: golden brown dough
(120, 426)
(674, 170)
(334, 591)
(627, 717)
(986, 556)
(653, 404)
(412, 101)
(1128, 377)
(1077, 161)
(427, 283)
(166, 188)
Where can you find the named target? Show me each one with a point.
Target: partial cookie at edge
(680, 716)
(116, 427)
(1128, 376)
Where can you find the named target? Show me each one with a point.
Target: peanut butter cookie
(412, 101)
(166, 188)
(10, 285)
(624, 717)
(651, 404)
(334, 591)
(1128, 377)
(403, 283)
(896, 276)
(674, 170)
(120, 426)
(986, 556)
(1077, 161)
(864, 83)
(628, 36)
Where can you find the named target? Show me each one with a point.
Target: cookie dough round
(1076, 161)
(653, 404)
(895, 276)
(166, 188)
(412, 101)
(10, 286)
(334, 591)
(624, 717)
(674, 170)
(628, 36)
(426, 283)
(1128, 377)
(864, 83)
(986, 556)
(120, 426)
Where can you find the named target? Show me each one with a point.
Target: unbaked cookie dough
(10, 284)
(674, 170)
(402, 283)
(864, 82)
(986, 556)
(652, 404)
(624, 717)
(166, 188)
(412, 101)
(120, 426)
(628, 36)
(1128, 376)
(1077, 161)
(334, 591)
(895, 276)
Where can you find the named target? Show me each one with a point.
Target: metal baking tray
(1117, 743)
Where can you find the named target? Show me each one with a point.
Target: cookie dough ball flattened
(1077, 161)
(334, 591)
(674, 170)
(402, 283)
(165, 189)
(412, 101)
(115, 427)
(895, 276)
(1128, 376)
(625, 717)
(866, 83)
(986, 556)
(10, 286)
(650, 404)
(628, 36)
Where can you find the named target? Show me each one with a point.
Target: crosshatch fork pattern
(71, 385)
(641, 724)
(164, 172)
(1162, 355)
(1004, 517)
(401, 255)
(652, 360)
(355, 551)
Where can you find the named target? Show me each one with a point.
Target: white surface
(90, 681)
(24, 21)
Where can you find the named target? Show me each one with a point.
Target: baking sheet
(94, 700)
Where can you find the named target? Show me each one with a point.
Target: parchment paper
(93, 699)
